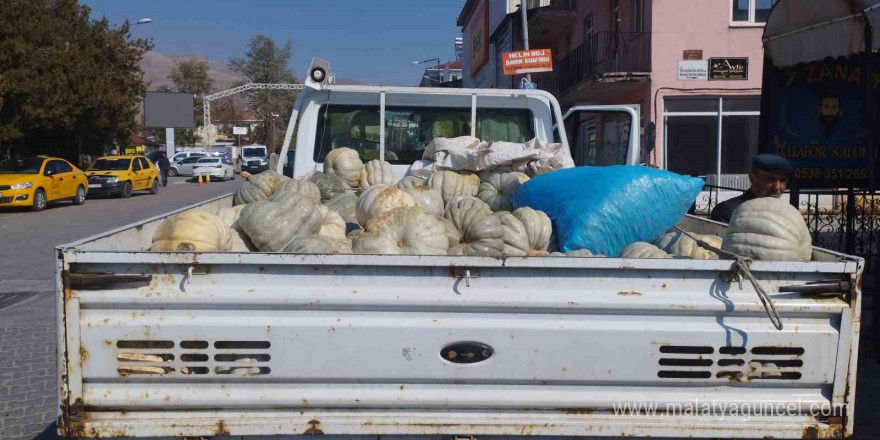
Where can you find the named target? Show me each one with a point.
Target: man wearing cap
(769, 178)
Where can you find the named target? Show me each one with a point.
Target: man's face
(830, 108)
(768, 183)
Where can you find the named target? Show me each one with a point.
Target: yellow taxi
(122, 175)
(36, 181)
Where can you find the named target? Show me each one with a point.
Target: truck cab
(395, 124)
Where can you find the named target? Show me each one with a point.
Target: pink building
(693, 67)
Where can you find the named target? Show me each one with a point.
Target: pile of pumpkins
(765, 228)
(360, 208)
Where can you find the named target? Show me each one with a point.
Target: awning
(799, 31)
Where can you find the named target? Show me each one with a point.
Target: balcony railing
(605, 52)
(567, 5)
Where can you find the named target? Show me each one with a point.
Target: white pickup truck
(155, 344)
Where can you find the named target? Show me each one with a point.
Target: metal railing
(605, 52)
(567, 5)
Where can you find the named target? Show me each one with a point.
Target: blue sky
(372, 41)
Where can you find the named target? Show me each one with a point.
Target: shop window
(692, 141)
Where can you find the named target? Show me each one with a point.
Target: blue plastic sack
(604, 209)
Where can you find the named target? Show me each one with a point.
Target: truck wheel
(155, 188)
(172, 172)
(126, 190)
(80, 196)
(39, 200)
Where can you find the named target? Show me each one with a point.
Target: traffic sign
(239, 130)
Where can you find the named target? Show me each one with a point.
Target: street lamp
(429, 60)
(144, 21)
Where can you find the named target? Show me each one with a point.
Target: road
(27, 305)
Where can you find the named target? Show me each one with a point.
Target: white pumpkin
(641, 249)
(271, 224)
(481, 232)
(471, 177)
(522, 177)
(768, 229)
(538, 227)
(410, 181)
(345, 205)
(452, 233)
(376, 172)
(580, 253)
(230, 215)
(257, 186)
(676, 243)
(332, 224)
(330, 185)
(516, 239)
(318, 244)
(193, 231)
(379, 199)
(403, 231)
(497, 191)
(344, 163)
(452, 185)
(466, 202)
(428, 198)
(302, 187)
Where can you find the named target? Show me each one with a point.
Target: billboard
(527, 61)
(169, 110)
(814, 113)
(478, 32)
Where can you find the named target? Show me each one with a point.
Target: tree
(67, 83)
(266, 62)
(191, 76)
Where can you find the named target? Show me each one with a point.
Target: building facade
(693, 68)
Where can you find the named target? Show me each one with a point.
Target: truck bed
(201, 344)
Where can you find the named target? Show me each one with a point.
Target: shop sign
(693, 70)
(721, 69)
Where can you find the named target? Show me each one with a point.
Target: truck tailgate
(208, 344)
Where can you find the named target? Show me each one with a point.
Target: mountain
(157, 66)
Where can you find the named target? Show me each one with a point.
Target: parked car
(254, 158)
(121, 175)
(216, 167)
(35, 181)
(183, 167)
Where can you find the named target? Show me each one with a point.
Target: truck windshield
(21, 166)
(251, 152)
(110, 165)
(409, 129)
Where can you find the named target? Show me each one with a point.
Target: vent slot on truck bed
(198, 357)
(699, 362)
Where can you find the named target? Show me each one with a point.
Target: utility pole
(525, 31)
